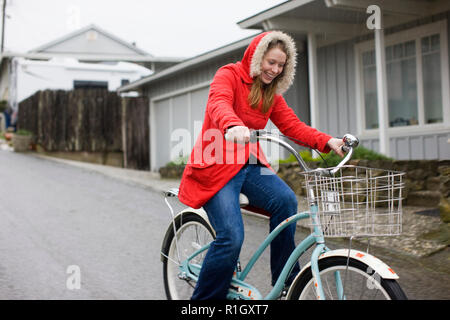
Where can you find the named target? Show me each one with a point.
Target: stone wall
(427, 182)
(171, 171)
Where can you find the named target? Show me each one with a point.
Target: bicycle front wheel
(192, 233)
(358, 280)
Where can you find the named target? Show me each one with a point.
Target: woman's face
(272, 64)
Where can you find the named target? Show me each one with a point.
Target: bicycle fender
(376, 264)
(179, 216)
(382, 269)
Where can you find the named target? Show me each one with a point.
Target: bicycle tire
(171, 284)
(389, 288)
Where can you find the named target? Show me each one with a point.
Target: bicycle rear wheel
(360, 282)
(193, 232)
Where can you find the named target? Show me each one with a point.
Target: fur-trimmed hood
(250, 66)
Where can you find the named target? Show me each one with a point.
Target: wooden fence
(89, 121)
(136, 133)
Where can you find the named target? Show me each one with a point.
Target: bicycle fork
(318, 250)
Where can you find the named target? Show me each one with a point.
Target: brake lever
(350, 143)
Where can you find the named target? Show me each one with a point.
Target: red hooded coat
(214, 161)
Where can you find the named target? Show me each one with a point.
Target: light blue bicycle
(344, 201)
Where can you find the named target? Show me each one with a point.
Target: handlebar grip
(344, 149)
(350, 141)
(227, 137)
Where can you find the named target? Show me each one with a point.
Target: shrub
(178, 161)
(331, 159)
(305, 154)
(23, 132)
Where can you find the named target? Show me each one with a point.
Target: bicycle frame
(192, 270)
(246, 291)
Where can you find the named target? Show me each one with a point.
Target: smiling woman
(272, 65)
(244, 96)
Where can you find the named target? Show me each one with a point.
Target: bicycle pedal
(283, 294)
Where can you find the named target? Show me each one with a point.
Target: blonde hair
(262, 93)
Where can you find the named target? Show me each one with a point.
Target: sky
(166, 28)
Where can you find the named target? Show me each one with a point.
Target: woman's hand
(335, 145)
(239, 134)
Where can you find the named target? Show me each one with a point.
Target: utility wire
(3, 25)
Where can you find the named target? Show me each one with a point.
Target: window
(402, 84)
(414, 80)
(82, 84)
(431, 70)
(370, 89)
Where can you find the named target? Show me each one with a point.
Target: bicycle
(344, 201)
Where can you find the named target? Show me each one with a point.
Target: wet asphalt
(71, 233)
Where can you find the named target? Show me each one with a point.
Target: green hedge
(331, 159)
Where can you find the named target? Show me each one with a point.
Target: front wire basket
(357, 201)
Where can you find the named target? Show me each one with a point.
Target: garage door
(176, 121)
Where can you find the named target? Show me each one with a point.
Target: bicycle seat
(243, 200)
(244, 203)
(171, 192)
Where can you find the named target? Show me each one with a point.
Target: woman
(244, 96)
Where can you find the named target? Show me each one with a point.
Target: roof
(87, 57)
(89, 33)
(73, 64)
(251, 22)
(330, 20)
(93, 43)
(339, 19)
(189, 63)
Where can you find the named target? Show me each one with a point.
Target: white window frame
(415, 34)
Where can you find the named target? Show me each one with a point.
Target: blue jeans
(265, 190)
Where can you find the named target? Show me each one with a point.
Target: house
(377, 69)
(86, 58)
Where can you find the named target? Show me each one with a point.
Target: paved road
(56, 220)
(53, 216)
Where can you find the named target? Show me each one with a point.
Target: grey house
(387, 83)
(90, 44)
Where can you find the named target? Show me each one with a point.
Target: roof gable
(90, 40)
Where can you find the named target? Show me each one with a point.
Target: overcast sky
(177, 28)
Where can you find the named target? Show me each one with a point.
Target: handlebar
(350, 143)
